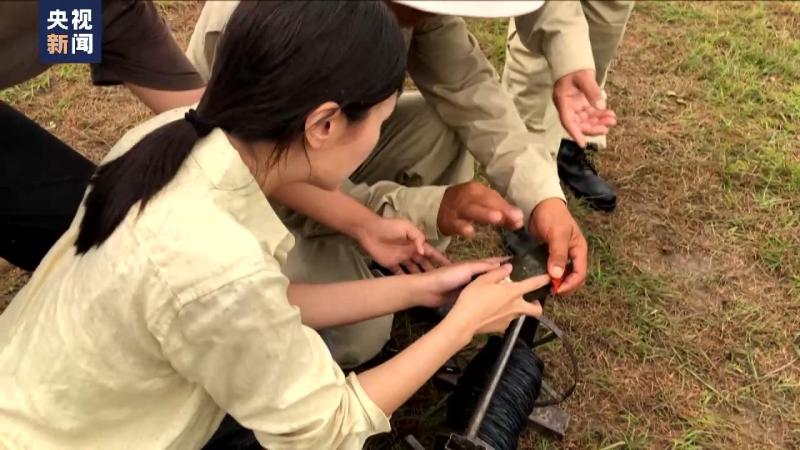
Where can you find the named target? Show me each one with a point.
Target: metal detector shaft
(494, 380)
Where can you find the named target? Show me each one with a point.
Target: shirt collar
(239, 193)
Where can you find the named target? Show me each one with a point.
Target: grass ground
(688, 330)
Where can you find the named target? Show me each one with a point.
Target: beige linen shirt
(181, 315)
(452, 73)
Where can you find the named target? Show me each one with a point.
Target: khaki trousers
(527, 75)
(415, 149)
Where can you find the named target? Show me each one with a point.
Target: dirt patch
(688, 326)
(788, 13)
(11, 281)
(688, 264)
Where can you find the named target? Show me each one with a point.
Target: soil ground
(688, 328)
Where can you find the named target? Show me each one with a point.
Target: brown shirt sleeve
(139, 48)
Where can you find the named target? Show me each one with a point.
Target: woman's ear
(323, 123)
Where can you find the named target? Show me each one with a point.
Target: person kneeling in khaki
(422, 165)
(550, 72)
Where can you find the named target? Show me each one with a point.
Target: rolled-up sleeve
(246, 346)
(450, 70)
(139, 48)
(419, 205)
(559, 31)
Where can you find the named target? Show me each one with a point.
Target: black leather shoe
(578, 173)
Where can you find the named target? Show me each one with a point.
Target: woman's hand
(441, 286)
(491, 302)
(397, 244)
(486, 305)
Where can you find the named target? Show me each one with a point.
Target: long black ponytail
(276, 62)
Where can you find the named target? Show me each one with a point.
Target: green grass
(42, 83)
(746, 70)
(26, 91)
(735, 112)
(491, 35)
(687, 329)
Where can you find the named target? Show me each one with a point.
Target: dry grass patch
(688, 330)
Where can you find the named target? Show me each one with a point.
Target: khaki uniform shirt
(559, 31)
(452, 73)
(181, 315)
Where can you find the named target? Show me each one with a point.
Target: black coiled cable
(507, 415)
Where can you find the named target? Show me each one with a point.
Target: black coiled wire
(507, 415)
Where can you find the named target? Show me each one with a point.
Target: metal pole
(494, 380)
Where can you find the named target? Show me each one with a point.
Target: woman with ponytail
(163, 308)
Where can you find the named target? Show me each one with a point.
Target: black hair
(276, 62)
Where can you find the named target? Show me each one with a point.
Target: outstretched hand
(581, 106)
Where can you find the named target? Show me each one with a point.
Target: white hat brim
(475, 8)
